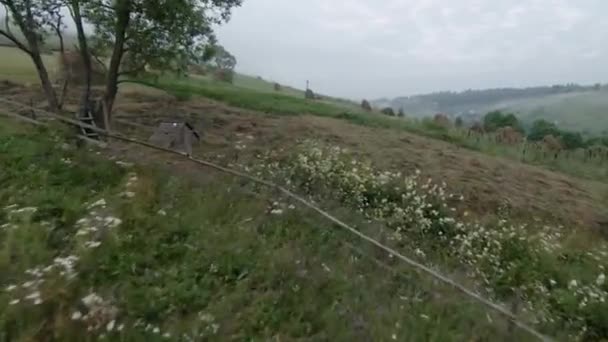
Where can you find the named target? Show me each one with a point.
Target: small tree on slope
(158, 34)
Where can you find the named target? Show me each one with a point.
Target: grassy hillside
(16, 66)
(264, 86)
(92, 249)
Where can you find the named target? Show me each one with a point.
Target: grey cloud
(368, 48)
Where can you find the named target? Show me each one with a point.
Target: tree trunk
(47, 85)
(85, 98)
(123, 12)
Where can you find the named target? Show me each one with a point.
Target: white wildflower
(92, 244)
(82, 232)
(205, 317)
(76, 316)
(112, 222)
(91, 300)
(27, 284)
(8, 226)
(572, 284)
(161, 212)
(127, 194)
(27, 210)
(99, 203)
(10, 288)
(156, 330)
(110, 325)
(14, 302)
(601, 279)
(33, 296)
(276, 211)
(124, 164)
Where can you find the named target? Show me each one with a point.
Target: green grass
(254, 83)
(215, 266)
(16, 66)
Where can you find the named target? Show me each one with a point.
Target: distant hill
(571, 106)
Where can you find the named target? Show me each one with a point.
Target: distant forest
(461, 102)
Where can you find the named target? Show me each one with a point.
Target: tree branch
(15, 41)
(66, 80)
(104, 6)
(57, 28)
(7, 20)
(9, 34)
(98, 60)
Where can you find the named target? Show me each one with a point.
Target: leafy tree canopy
(572, 140)
(497, 119)
(541, 128)
(223, 59)
(161, 34)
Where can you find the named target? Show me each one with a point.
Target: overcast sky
(377, 48)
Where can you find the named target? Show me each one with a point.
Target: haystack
(508, 135)
(442, 120)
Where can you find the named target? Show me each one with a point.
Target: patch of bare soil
(489, 184)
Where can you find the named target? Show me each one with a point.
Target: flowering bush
(506, 259)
